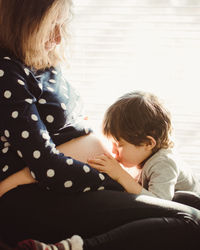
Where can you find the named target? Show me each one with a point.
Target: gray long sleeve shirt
(164, 173)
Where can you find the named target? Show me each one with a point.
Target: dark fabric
(148, 234)
(40, 110)
(187, 198)
(29, 212)
(4, 246)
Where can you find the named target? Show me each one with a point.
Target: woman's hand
(107, 164)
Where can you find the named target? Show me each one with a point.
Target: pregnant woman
(47, 190)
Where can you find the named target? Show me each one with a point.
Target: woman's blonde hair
(25, 26)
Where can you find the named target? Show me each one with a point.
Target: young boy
(140, 128)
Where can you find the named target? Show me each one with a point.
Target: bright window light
(151, 45)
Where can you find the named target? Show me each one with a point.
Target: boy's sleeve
(162, 178)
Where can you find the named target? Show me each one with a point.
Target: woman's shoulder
(10, 64)
(16, 79)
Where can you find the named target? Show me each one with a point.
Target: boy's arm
(109, 165)
(160, 179)
(129, 184)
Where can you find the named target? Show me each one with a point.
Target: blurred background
(151, 45)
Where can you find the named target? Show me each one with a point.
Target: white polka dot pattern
(1, 72)
(86, 168)
(69, 161)
(52, 80)
(87, 189)
(42, 101)
(20, 82)
(68, 184)
(45, 136)
(50, 173)
(50, 89)
(55, 151)
(5, 168)
(19, 153)
(63, 106)
(7, 133)
(6, 144)
(7, 94)
(5, 150)
(36, 154)
(3, 138)
(101, 176)
(30, 101)
(34, 117)
(27, 71)
(50, 118)
(33, 174)
(25, 134)
(15, 114)
(40, 85)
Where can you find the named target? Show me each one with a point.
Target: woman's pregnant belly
(83, 147)
(80, 148)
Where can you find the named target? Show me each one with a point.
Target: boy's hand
(107, 164)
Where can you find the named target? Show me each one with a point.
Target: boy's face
(128, 154)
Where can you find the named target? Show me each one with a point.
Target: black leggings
(187, 198)
(106, 220)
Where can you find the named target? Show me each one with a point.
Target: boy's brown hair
(136, 115)
(25, 25)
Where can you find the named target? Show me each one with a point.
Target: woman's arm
(80, 148)
(31, 142)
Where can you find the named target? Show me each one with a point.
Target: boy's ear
(151, 143)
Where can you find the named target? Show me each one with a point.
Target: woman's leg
(30, 212)
(152, 233)
(187, 198)
(145, 234)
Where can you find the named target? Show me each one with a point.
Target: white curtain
(152, 45)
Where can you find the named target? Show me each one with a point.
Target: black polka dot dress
(40, 110)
